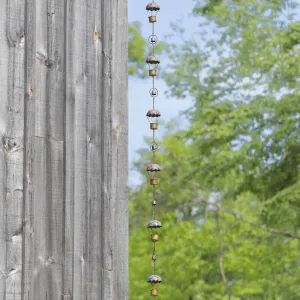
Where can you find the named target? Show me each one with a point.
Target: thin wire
(154, 260)
(154, 199)
(153, 44)
(153, 212)
(153, 138)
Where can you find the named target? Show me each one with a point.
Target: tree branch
(261, 227)
(240, 218)
(221, 267)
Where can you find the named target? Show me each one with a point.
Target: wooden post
(63, 151)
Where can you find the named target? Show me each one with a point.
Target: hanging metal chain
(153, 169)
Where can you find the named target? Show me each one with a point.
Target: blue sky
(139, 99)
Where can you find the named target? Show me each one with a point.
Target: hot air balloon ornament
(153, 170)
(153, 63)
(152, 9)
(154, 279)
(154, 225)
(153, 115)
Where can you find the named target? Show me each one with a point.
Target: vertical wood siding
(63, 151)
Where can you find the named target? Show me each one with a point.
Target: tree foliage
(137, 50)
(229, 196)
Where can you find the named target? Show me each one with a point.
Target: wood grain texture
(63, 154)
(119, 143)
(12, 149)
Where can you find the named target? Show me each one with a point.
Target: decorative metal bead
(153, 39)
(155, 237)
(153, 92)
(154, 293)
(154, 147)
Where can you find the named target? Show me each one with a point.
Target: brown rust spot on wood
(96, 35)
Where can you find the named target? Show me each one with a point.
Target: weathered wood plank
(77, 147)
(69, 160)
(46, 281)
(49, 142)
(106, 157)
(4, 58)
(63, 126)
(94, 151)
(50, 73)
(119, 138)
(29, 152)
(12, 150)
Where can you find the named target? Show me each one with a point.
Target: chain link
(153, 150)
(153, 147)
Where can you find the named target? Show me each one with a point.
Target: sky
(139, 99)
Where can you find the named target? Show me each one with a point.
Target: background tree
(229, 192)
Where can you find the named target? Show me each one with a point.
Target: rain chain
(153, 169)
